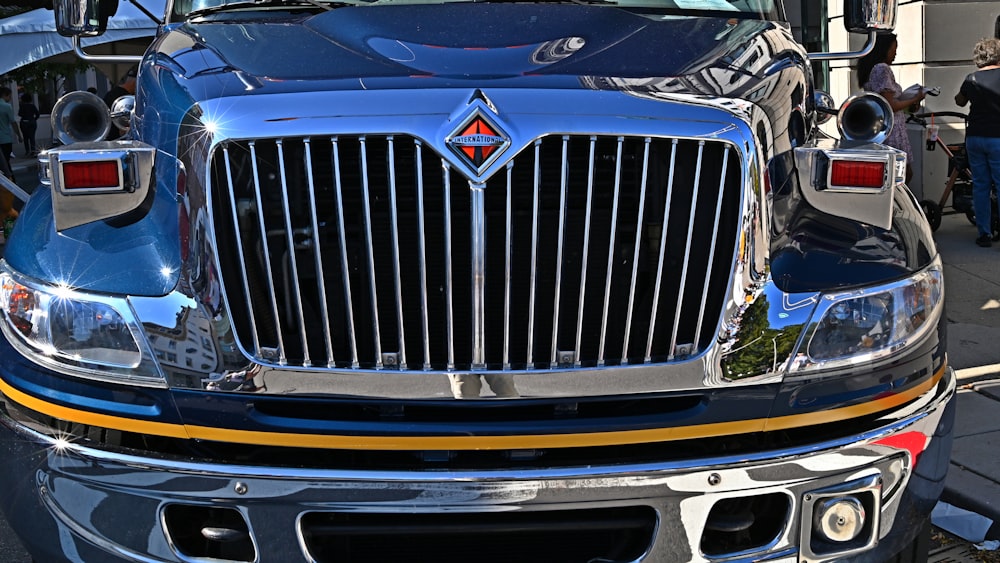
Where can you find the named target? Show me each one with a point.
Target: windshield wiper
(242, 4)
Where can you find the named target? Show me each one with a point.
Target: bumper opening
(605, 534)
(743, 524)
(198, 532)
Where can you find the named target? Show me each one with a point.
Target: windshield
(756, 9)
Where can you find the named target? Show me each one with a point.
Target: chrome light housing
(870, 324)
(865, 118)
(825, 108)
(74, 332)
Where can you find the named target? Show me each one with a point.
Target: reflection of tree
(760, 348)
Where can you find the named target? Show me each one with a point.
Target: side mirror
(83, 18)
(865, 16)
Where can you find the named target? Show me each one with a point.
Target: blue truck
(554, 281)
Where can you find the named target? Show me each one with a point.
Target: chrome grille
(372, 252)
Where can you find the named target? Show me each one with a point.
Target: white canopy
(31, 36)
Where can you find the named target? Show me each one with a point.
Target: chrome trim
(874, 207)
(534, 252)
(715, 235)
(422, 245)
(344, 268)
(290, 240)
(639, 233)
(563, 173)
(318, 257)
(372, 285)
(663, 251)
(715, 126)
(478, 270)
(239, 240)
(616, 196)
(586, 247)
(397, 281)
(508, 257)
(687, 256)
(449, 278)
(135, 161)
(269, 270)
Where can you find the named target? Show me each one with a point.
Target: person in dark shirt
(28, 115)
(982, 136)
(125, 87)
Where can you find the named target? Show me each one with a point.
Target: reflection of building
(189, 345)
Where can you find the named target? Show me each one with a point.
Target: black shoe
(984, 241)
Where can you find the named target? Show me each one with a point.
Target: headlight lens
(869, 324)
(74, 332)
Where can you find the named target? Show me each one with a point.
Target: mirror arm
(78, 50)
(869, 45)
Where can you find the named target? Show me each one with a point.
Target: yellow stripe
(853, 411)
(527, 441)
(90, 418)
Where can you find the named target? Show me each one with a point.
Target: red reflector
(913, 442)
(95, 174)
(850, 173)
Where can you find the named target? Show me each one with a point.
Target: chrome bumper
(115, 504)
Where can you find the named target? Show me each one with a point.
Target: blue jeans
(984, 162)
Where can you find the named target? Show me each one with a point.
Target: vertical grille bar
(292, 262)
(239, 244)
(269, 270)
(535, 210)
(563, 181)
(477, 203)
(372, 285)
(611, 249)
(397, 281)
(318, 255)
(345, 267)
(449, 290)
(508, 258)
(687, 252)
(587, 218)
(422, 248)
(663, 253)
(643, 185)
(715, 236)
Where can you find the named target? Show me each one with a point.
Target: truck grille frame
(380, 254)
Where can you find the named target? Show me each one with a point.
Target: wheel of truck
(916, 551)
(933, 213)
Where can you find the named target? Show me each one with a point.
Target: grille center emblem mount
(478, 141)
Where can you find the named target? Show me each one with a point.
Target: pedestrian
(981, 89)
(8, 130)
(29, 115)
(875, 75)
(125, 87)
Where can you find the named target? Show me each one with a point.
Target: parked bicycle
(959, 183)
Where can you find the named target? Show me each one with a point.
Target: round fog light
(838, 519)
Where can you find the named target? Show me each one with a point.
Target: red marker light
(90, 174)
(855, 174)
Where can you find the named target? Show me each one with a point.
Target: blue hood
(537, 45)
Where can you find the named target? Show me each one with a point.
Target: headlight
(873, 323)
(75, 332)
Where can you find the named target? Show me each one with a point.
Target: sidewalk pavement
(972, 286)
